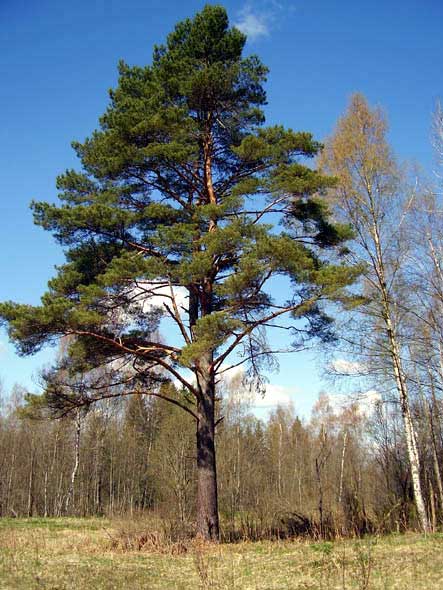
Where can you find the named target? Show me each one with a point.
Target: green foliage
(210, 332)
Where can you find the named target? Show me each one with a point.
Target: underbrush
(108, 554)
(150, 535)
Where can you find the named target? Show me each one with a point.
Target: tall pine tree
(186, 208)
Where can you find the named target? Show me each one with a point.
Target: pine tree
(185, 209)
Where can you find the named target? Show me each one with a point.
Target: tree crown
(185, 208)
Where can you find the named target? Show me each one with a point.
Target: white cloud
(239, 390)
(365, 401)
(162, 296)
(258, 19)
(368, 401)
(252, 24)
(345, 367)
(275, 395)
(146, 297)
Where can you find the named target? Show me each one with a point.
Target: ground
(67, 553)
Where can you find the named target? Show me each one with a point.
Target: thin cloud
(162, 297)
(275, 395)
(365, 401)
(253, 25)
(238, 390)
(345, 367)
(259, 18)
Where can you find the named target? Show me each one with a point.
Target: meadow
(68, 553)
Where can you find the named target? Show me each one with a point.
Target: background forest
(341, 472)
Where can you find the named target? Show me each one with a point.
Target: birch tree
(371, 195)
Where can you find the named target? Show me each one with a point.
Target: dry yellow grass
(62, 554)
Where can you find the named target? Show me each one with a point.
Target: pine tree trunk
(207, 501)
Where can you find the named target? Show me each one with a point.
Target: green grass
(68, 553)
(72, 524)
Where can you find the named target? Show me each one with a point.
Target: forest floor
(68, 553)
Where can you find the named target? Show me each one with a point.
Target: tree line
(342, 472)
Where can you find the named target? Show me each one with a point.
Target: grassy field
(67, 553)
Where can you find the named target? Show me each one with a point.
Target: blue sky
(58, 60)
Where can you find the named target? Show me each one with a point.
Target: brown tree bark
(207, 501)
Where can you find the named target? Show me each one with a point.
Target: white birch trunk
(342, 467)
(70, 494)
